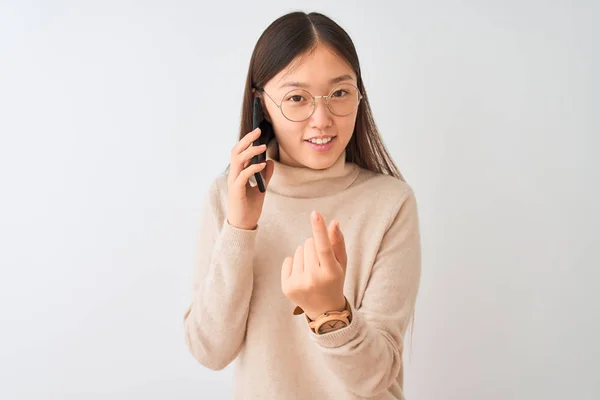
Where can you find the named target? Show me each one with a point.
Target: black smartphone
(257, 117)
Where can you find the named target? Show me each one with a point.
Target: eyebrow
(333, 81)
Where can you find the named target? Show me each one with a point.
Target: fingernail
(315, 216)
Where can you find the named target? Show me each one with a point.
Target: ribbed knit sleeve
(366, 356)
(215, 321)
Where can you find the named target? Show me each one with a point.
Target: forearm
(367, 354)
(215, 323)
(366, 359)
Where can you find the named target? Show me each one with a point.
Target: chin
(321, 161)
(309, 157)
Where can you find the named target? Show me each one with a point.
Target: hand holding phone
(248, 159)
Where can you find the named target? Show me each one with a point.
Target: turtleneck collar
(304, 182)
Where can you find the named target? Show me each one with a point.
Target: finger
(298, 261)
(246, 155)
(246, 141)
(286, 271)
(322, 244)
(235, 165)
(242, 180)
(311, 260)
(338, 243)
(244, 159)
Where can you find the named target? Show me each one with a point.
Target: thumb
(336, 237)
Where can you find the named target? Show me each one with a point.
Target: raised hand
(244, 202)
(314, 277)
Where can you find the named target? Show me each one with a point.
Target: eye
(295, 98)
(339, 93)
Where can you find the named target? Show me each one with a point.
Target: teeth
(320, 141)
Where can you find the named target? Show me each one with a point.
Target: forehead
(315, 69)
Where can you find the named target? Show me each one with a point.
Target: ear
(260, 95)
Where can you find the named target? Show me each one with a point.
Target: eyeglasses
(298, 105)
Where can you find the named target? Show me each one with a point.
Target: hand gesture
(314, 277)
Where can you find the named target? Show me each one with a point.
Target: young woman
(311, 285)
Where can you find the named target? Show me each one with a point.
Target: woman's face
(318, 74)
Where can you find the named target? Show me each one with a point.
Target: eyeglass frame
(314, 102)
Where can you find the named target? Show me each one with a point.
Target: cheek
(345, 127)
(286, 130)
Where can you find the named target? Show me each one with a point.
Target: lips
(322, 138)
(321, 147)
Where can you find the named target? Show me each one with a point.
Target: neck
(305, 182)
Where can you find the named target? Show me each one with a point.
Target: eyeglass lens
(299, 104)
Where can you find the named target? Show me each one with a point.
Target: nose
(321, 117)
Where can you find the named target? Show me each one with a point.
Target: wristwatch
(329, 321)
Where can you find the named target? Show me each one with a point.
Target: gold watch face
(331, 326)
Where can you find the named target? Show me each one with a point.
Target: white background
(116, 115)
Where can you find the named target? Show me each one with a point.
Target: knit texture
(238, 312)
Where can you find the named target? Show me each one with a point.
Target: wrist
(331, 320)
(338, 306)
(243, 227)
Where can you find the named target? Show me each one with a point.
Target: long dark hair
(298, 33)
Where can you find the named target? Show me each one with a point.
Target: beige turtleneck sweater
(239, 312)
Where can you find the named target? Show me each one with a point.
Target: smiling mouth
(320, 141)
(321, 145)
